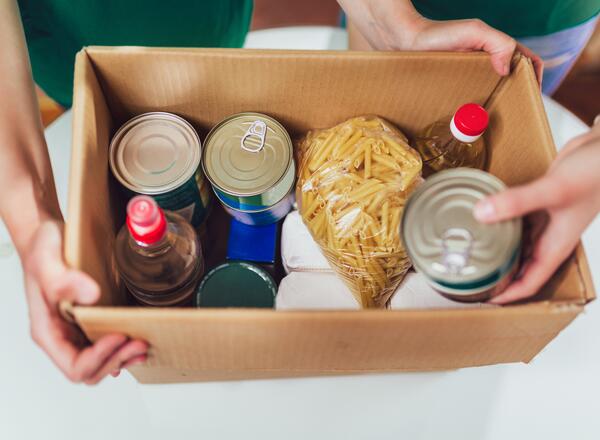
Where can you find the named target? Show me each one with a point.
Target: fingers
(78, 365)
(48, 280)
(535, 274)
(135, 361)
(553, 247)
(130, 363)
(517, 201)
(91, 359)
(127, 352)
(463, 35)
(538, 63)
(499, 45)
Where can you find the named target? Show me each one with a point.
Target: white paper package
(299, 252)
(311, 283)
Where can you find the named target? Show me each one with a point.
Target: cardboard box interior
(304, 90)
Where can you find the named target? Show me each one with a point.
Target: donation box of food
(304, 90)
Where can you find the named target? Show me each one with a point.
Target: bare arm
(29, 207)
(29, 195)
(397, 25)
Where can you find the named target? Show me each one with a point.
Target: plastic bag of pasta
(354, 179)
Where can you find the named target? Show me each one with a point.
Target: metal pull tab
(456, 250)
(254, 138)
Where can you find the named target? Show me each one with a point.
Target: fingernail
(484, 210)
(506, 69)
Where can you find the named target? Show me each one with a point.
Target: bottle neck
(461, 136)
(151, 249)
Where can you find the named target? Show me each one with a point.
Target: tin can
(461, 258)
(265, 216)
(158, 154)
(236, 284)
(248, 159)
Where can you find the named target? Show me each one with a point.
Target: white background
(555, 397)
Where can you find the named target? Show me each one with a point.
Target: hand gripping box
(304, 90)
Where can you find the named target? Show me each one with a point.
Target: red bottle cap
(471, 119)
(145, 220)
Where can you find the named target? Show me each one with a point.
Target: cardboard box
(305, 90)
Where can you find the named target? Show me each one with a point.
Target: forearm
(29, 195)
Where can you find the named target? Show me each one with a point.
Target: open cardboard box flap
(304, 90)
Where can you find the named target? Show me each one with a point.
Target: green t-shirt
(518, 18)
(57, 29)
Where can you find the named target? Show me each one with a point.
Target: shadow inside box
(446, 404)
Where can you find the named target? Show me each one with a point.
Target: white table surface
(555, 397)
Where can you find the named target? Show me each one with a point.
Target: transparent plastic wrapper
(354, 179)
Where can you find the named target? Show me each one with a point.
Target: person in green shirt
(56, 30)
(52, 31)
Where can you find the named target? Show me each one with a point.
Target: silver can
(461, 258)
(248, 158)
(158, 154)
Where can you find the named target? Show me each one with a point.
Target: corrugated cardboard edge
(521, 62)
(87, 314)
(584, 272)
(82, 62)
(103, 317)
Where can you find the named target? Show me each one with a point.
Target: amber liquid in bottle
(164, 271)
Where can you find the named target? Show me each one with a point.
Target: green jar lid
(236, 284)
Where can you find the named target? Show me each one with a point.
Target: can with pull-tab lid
(461, 258)
(249, 161)
(158, 154)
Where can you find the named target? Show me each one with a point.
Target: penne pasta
(367, 161)
(386, 161)
(342, 141)
(369, 187)
(322, 153)
(385, 212)
(350, 143)
(353, 182)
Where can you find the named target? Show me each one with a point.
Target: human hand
(47, 282)
(568, 193)
(396, 25)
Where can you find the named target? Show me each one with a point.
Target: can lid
(154, 153)
(442, 237)
(471, 119)
(236, 284)
(247, 154)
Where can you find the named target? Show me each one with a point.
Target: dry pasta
(354, 179)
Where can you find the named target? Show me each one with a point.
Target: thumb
(55, 279)
(75, 286)
(516, 201)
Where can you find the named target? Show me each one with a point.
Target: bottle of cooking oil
(158, 255)
(455, 141)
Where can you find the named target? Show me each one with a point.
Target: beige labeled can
(249, 161)
(461, 258)
(158, 154)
